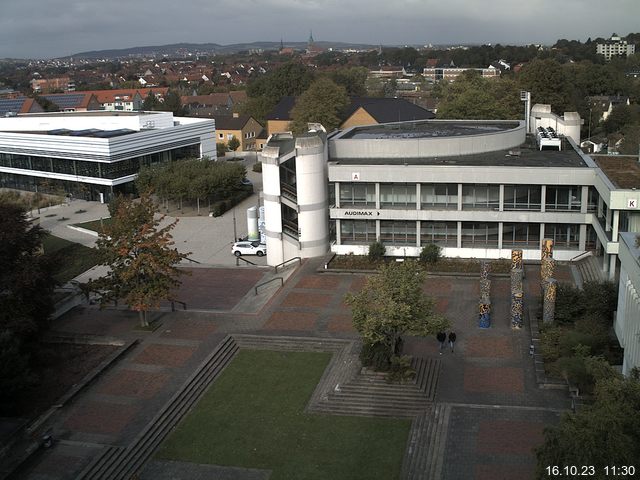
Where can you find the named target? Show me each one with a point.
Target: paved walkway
(208, 239)
(497, 412)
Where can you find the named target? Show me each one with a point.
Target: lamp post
(590, 110)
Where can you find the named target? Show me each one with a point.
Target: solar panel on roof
(11, 105)
(65, 101)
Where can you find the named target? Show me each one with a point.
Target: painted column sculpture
(549, 305)
(517, 291)
(484, 307)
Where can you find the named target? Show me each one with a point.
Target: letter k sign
(632, 203)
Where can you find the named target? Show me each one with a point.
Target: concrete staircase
(118, 463)
(423, 459)
(370, 394)
(588, 270)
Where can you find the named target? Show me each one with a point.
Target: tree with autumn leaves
(141, 258)
(393, 304)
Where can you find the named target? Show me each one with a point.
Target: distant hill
(207, 48)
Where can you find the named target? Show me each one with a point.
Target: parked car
(249, 248)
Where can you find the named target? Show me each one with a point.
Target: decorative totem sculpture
(517, 291)
(484, 307)
(549, 305)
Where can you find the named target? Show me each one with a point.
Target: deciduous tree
(603, 434)
(392, 304)
(322, 103)
(26, 291)
(141, 258)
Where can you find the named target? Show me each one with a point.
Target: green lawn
(71, 259)
(95, 225)
(253, 417)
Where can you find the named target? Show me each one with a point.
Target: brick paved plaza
(497, 412)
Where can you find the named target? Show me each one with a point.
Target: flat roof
(92, 113)
(428, 129)
(623, 171)
(526, 155)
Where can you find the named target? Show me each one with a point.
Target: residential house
(122, 100)
(606, 104)
(213, 104)
(244, 127)
(48, 85)
(361, 111)
(373, 110)
(14, 106)
(74, 101)
(279, 118)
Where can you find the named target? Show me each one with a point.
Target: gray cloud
(39, 28)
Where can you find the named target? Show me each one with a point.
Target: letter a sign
(355, 176)
(632, 203)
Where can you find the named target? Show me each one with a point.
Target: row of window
(83, 168)
(444, 196)
(473, 234)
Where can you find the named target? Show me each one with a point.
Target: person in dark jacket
(452, 340)
(442, 337)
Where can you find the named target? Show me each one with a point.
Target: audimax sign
(360, 213)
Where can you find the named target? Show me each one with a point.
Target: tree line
(192, 181)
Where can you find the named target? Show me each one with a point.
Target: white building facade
(95, 154)
(476, 188)
(615, 47)
(627, 319)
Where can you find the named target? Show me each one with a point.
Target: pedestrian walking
(442, 337)
(452, 340)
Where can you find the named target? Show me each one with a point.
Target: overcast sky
(55, 28)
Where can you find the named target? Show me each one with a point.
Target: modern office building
(95, 154)
(627, 320)
(475, 188)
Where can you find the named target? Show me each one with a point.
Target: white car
(249, 248)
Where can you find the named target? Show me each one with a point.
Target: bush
(375, 356)
(400, 370)
(574, 370)
(221, 149)
(377, 251)
(218, 208)
(257, 167)
(430, 254)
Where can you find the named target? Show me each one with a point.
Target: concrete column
(377, 229)
(607, 223)
(378, 200)
(543, 200)
(612, 266)
(459, 240)
(600, 204)
(605, 262)
(418, 239)
(614, 225)
(541, 236)
(336, 187)
(501, 202)
(418, 193)
(582, 238)
(584, 203)
(459, 197)
(338, 233)
(500, 229)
